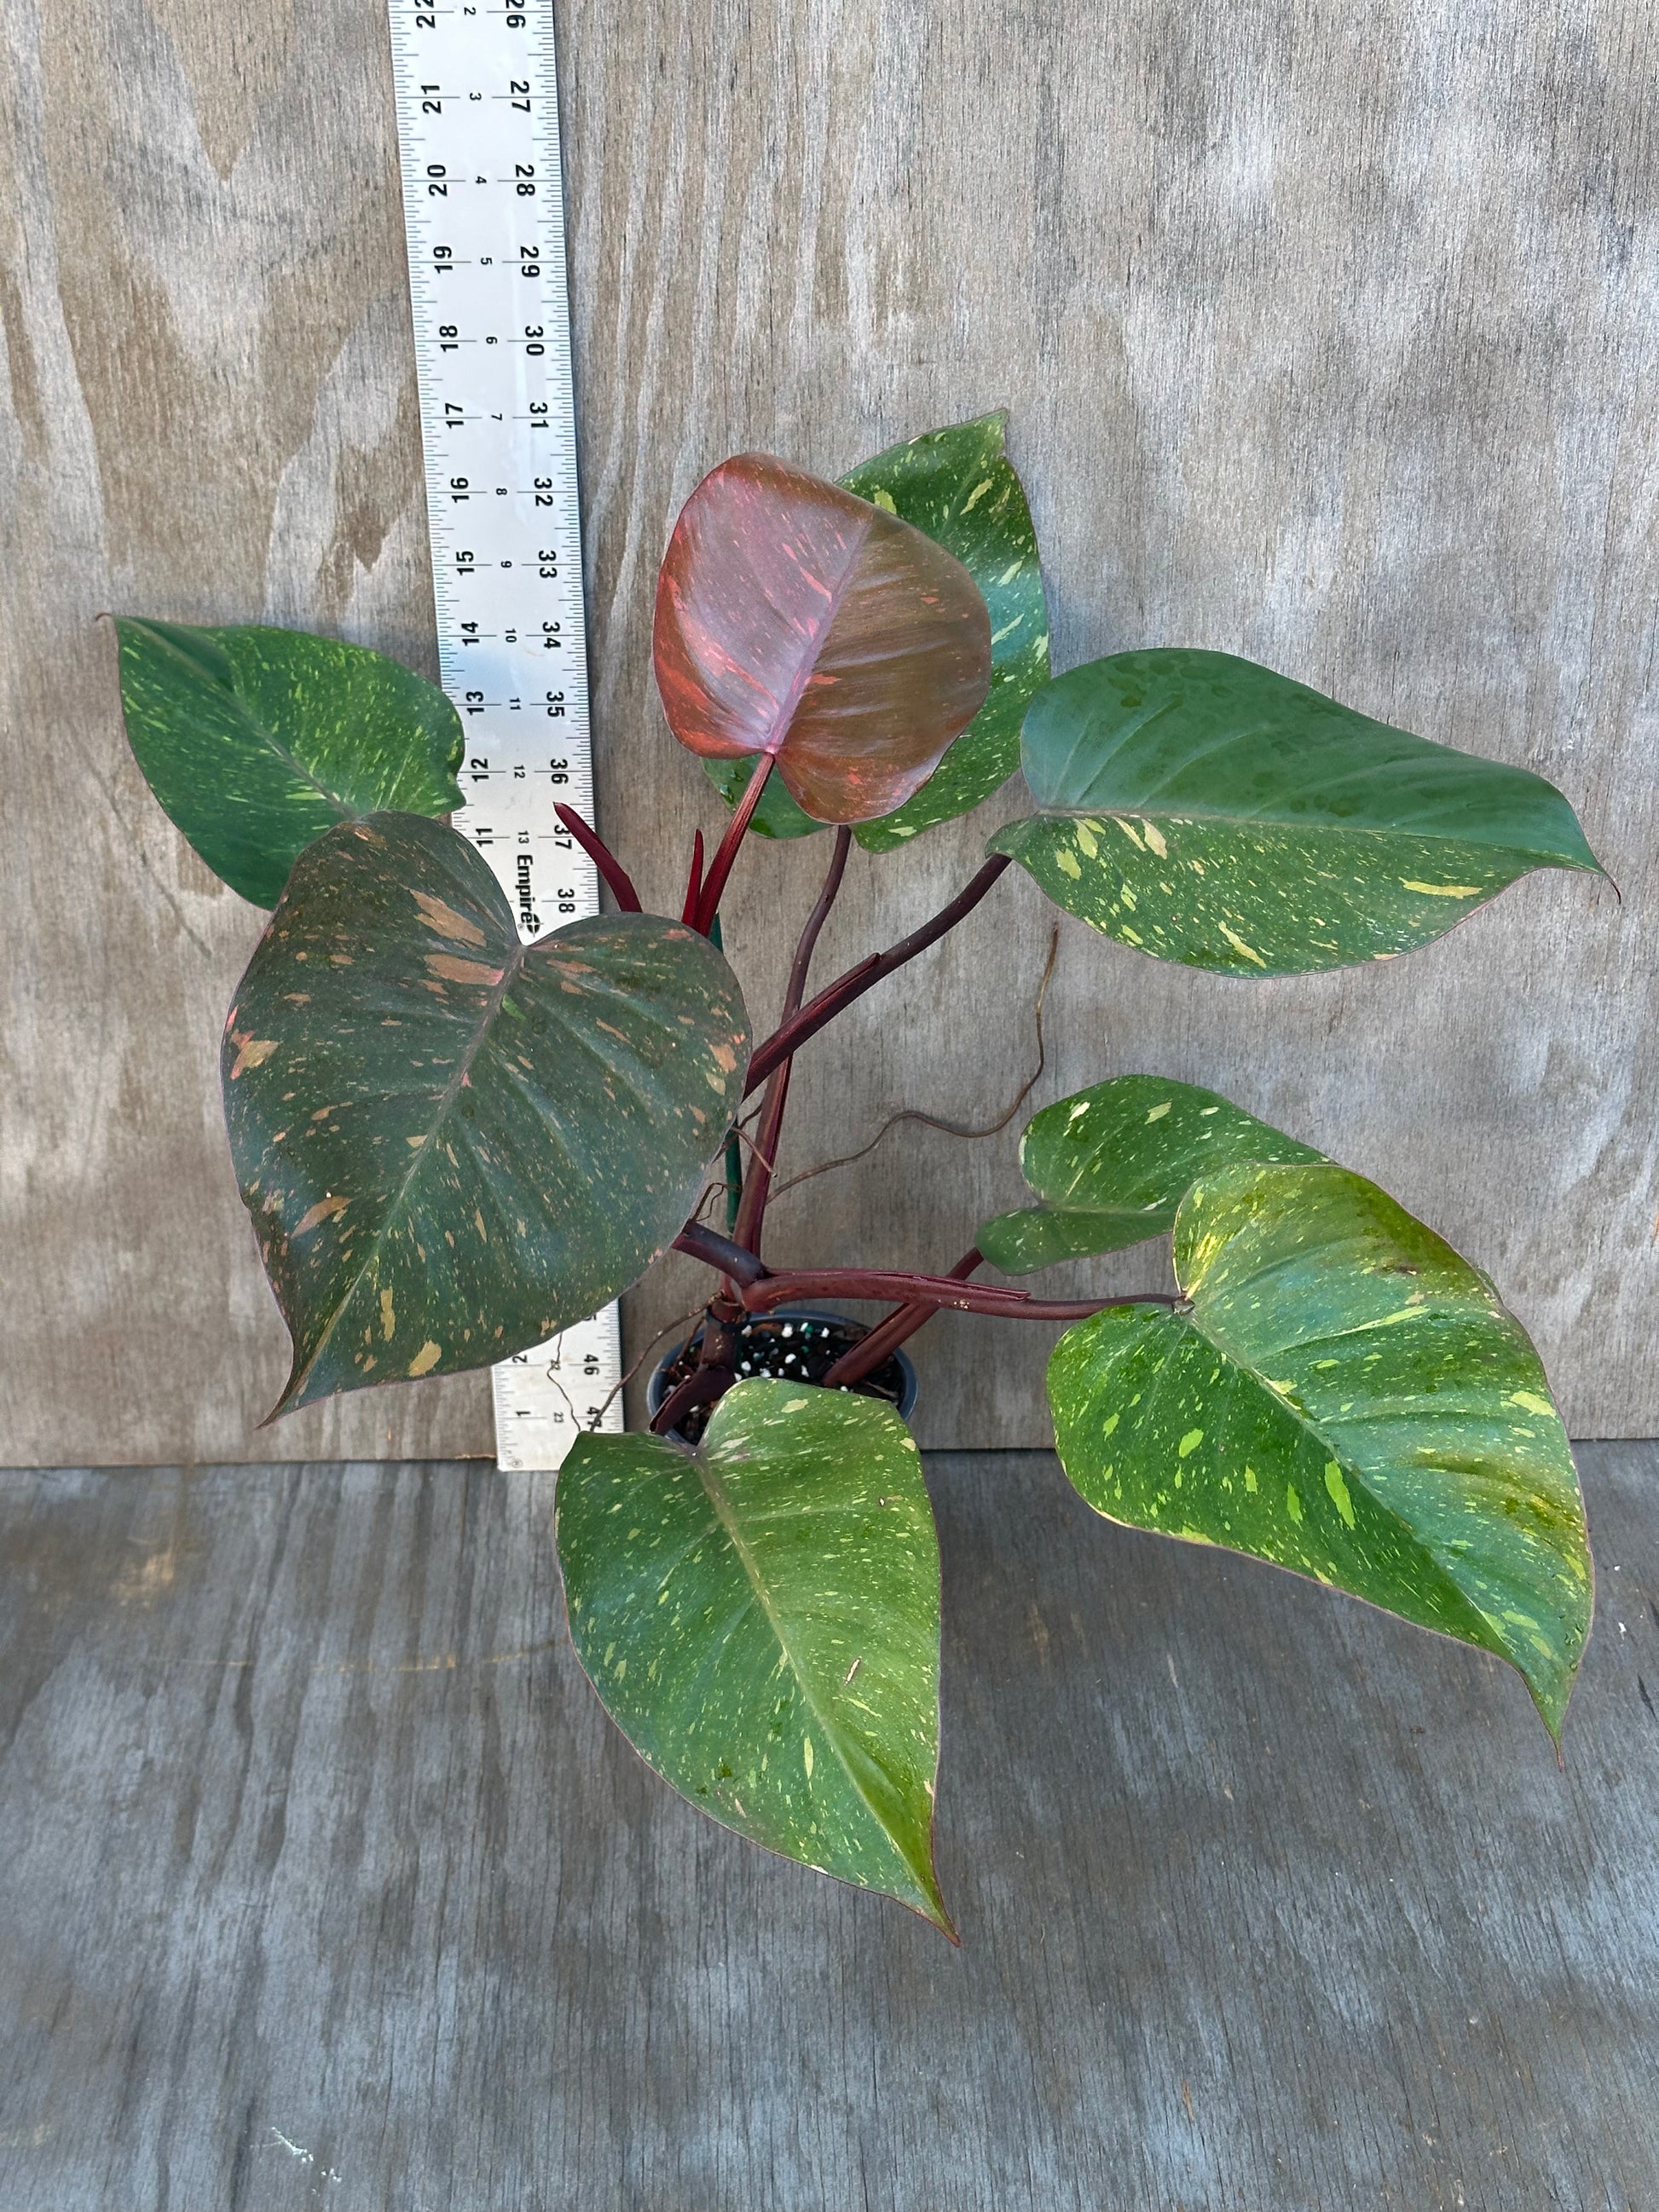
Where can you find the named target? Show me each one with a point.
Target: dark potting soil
(790, 1351)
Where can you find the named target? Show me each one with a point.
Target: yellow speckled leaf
(761, 1620)
(1202, 809)
(1346, 1397)
(1111, 1165)
(256, 740)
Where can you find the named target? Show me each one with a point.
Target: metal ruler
(483, 216)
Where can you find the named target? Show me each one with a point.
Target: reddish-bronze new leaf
(797, 620)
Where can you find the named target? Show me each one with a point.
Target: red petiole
(725, 852)
(761, 1291)
(867, 1354)
(749, 1285)
(792, 1034)
(693, 882)
(752, 1210)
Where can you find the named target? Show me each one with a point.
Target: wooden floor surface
(325, 1882)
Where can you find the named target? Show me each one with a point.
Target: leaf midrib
(811, 652)
(726, 1514)
(1551, 856)
(451, 1091)
(350, 808)
(1306, 1422)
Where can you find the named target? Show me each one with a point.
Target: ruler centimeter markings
(478, 106)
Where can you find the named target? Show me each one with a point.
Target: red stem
(762, 1289)
(715, 1250)
(622, 887)
(867, 1354)
(933, 1291)
(725, 852)
(699, 1386)
(751, 1212)
(693, 882)
(790, 1036)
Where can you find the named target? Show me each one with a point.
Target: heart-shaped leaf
(1205, 810)
(958, 487)
(795, 621)
(761, 1620)
(256, 740)
(452, 1145)
(1348, 1398)
(1111, 1165)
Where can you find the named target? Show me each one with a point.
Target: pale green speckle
(1293, 1503)
(1248, 951)
(1339, 1491)
(1189, 1444)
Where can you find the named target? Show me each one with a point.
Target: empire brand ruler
(483, 214)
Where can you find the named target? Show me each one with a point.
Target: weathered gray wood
(1330, 335)
(325, 1881)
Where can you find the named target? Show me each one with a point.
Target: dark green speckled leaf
(454, 1146)
(958, 486)
(1111, 1165)
(1348, 1398)
(256, 740)
(1205, 810)
(761, 1620)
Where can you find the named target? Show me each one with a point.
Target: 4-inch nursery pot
(796, 1345)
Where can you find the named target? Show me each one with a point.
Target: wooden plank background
(325, 1882)
(1331, 335)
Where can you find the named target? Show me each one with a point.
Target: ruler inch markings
(476, 98)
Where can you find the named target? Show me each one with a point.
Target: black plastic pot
(771, 1339)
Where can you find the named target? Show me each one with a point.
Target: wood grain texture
(323, 1881)
(1329, 336)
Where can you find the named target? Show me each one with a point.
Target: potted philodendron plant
(453, 1145)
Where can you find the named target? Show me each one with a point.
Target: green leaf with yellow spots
(256, 740)
(452, 1145)
(1111, 1165)
(958, 487)
(1203, 809)
(1346, 1397)
(761, 1620)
